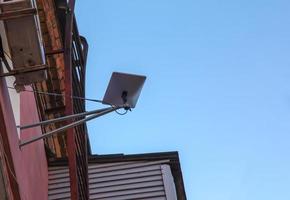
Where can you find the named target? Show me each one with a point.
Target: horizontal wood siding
(58, 183)
(114, 181)
(126, 180)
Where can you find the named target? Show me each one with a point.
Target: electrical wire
(6, 64)
(2, 55)
(59, 94)
(9, 168)
(6, 160)
(7, 55)
(73, 97)
(4, 60)
(11, 172)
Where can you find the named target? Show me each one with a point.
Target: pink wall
(29, 162)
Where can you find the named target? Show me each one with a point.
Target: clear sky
(218, 89)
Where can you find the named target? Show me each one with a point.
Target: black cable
(6, 64)
(7, 55)
(2, 55)
(1, 48)
(124, 113)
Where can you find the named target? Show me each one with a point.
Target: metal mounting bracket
(18, 13)
(24, 70)
(94, 114)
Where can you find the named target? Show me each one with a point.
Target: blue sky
(217, 89)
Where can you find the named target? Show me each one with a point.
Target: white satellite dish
(123, 92)
(124, 89)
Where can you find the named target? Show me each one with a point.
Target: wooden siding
(115, 181)
(58, 183)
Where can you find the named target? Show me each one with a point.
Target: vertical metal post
(71, 146)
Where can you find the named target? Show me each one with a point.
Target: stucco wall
(29, 162)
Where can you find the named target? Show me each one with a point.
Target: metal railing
(79, 52)
(75, 51)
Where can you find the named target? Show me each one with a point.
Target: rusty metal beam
(53, 52)
(80, 48)
(17, 13)
(24, 70)
(71, 146)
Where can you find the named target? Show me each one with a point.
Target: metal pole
(60, 119)
(68, 126)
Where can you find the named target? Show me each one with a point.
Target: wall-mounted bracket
(123, 92)
(93, 115)
(23, 70)
(17, 13)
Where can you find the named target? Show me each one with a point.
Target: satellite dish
(123, 92)
(124, 89)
